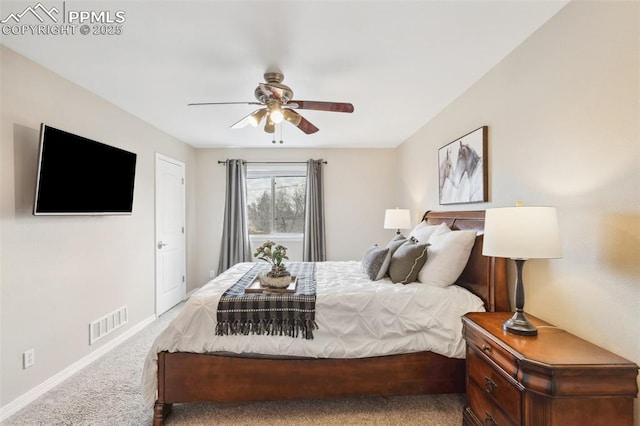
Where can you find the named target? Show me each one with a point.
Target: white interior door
(170, 236)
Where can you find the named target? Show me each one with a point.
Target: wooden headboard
(484, 276)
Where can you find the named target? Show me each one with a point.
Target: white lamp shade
(397, 219)
(522, 233)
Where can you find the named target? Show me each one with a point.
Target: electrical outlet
(28, 358)
(212, 274)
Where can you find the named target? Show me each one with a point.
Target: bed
(203, 375)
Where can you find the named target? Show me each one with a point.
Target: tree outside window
(276, 204)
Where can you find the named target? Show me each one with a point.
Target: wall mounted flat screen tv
(80, 176)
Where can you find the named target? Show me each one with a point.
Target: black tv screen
(80, 176)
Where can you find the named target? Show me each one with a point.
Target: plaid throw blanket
(276, 314)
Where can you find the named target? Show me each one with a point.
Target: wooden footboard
(189, 377)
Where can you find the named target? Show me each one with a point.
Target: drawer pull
(489, 385)
(486, 348)
(490, 421)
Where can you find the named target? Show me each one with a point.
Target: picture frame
(463, 169)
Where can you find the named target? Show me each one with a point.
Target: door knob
(161, 244)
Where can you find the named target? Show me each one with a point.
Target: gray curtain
(314, 247)
(235, 245)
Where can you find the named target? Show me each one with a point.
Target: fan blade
(324, 106)
(252, 119)
(299, 121)
(224, 103)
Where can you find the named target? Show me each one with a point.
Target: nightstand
(554, 378)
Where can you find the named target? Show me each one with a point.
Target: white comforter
(357, 318)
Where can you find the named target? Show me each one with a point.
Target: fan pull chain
(274, 136)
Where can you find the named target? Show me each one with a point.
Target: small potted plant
(275, 254)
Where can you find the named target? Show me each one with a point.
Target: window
(276, 198)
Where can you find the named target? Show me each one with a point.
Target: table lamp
(521, 233)
(397, 219)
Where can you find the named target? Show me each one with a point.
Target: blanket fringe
(270, 327)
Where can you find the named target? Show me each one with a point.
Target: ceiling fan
(278, 105)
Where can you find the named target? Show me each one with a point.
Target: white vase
(268, 280)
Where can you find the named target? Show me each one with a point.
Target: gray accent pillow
(393, 245)
(407, 261)
(396, 242)
(373, 262)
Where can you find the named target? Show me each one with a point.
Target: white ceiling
(399, 62)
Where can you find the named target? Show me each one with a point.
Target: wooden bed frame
(190, 377)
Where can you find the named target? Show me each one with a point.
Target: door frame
(161, 157)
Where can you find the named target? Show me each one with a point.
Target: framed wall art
(463, 171)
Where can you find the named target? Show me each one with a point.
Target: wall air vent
(107, 324)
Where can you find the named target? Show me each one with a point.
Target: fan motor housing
(274, 79)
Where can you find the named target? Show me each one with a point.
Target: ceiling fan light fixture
(277, 117)
(256, 117)
(269, 126)
(292, 117)
(275, 113)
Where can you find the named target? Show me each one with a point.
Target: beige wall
(359, 186)
(563, 115)
(60, 273)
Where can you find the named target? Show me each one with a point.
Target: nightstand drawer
(484, 408)
(495, 386)
(505, 360)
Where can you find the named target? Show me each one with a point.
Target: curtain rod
(272, 162)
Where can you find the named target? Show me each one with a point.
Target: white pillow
(422, 232)
(448, 255)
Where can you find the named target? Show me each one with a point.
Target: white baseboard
(28, 397)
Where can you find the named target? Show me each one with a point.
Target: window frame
(274, 171)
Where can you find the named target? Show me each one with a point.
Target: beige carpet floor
(107, 392)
